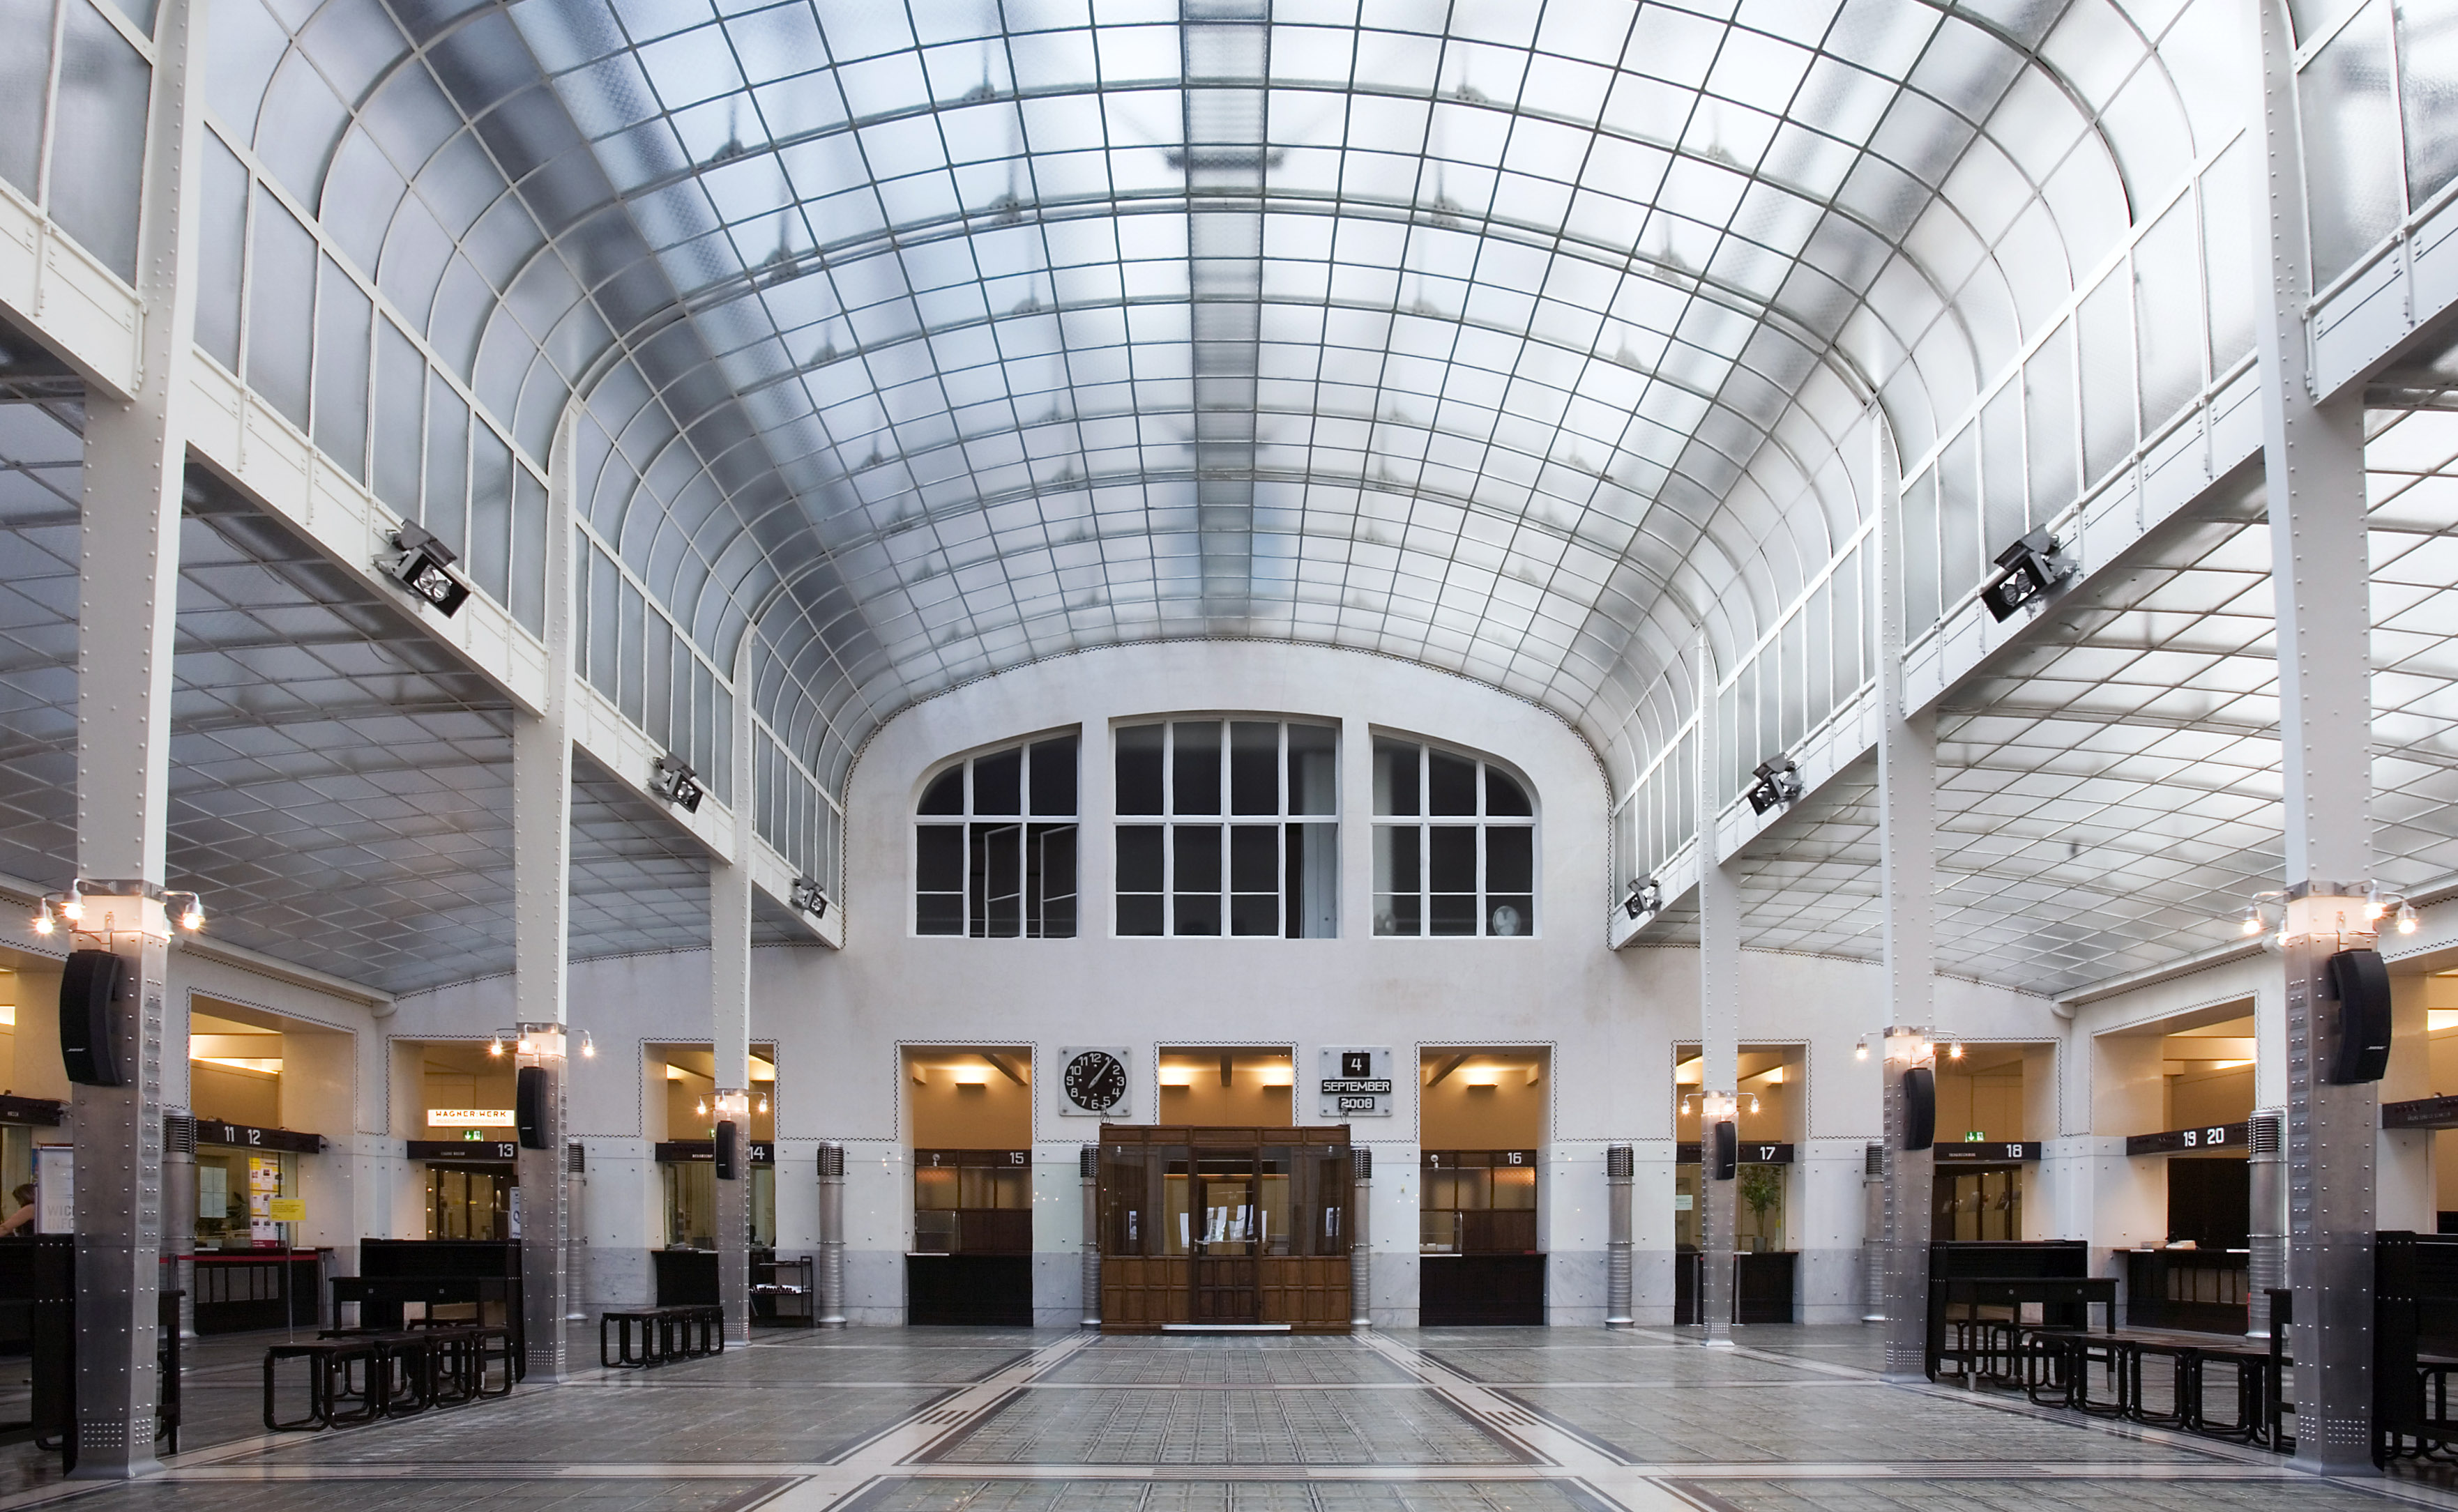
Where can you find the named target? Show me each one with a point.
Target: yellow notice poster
(288, 1210)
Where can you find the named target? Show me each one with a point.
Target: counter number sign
(1093, 1083)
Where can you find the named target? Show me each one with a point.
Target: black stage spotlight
(675, 781)
(1645, 897)
(422, 564)
(1778, 781)
(2027, 570)
(810, 898)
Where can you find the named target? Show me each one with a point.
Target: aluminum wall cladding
(910, 332)
(341, 789)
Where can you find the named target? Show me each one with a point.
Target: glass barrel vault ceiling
(1516, 339)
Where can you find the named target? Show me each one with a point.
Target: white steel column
(1720, 1016)
(128, 565)
(1907, 881)
(2320, 583)
(729, 919)
(541, 938)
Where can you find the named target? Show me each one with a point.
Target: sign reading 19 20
(1356, 1081)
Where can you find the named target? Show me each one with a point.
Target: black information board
(678, 1152)
(482, 1151)
(1758, 1153)
(2193, 1141)
(1987, 1151)
(247, 1136)
(2425, 1113)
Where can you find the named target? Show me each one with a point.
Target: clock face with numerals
(1094, 1080)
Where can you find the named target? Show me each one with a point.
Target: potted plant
(1761, 1187)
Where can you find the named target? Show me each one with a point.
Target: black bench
(329, 1384)
(643, 1336)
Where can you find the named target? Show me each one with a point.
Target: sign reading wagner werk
(1356, 1081)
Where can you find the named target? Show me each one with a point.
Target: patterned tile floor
(1438, 1420)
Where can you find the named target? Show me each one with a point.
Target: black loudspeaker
(2361, 983)
(1728, 1149)
(729, 1150)
(1920, 1108)
(94, 991)
(529, 1107)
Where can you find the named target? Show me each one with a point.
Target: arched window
(994, 845)
(1454, 844)
(1228, 827)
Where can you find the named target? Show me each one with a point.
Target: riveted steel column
(2313, 460)
(1907, 887)
(128, 548)
(541, 934)
(1361, 1238)
(1619, 1167)
(830, 1281)
(729, 910)
(1720, 1012)
(1088, 1171)
(545, 1211)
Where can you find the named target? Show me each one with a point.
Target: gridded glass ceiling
(2109, 800)
(1519, 338)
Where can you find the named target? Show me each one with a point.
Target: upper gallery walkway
(1434, 1420)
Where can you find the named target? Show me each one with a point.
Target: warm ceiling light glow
(1482, 1076)
(969, 1075)
(1177, 1076)
(1278, 1075)
(676, 1073)
(2436, 1020)
(1690, 1072)
(1773, 1076)
(2229, 1066)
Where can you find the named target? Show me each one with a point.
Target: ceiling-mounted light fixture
(2407, 919)
(192, 915)
(810, 898)
(2025, 571)
(1778, 781)
(675, 781)
(2251, 920)
(700, 1107)
(422, 564)
(1646, 897)
(496, 1045)
(1954, 1051)
(763, 1102)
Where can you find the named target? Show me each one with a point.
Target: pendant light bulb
(2251, 920)
(1861, 1051)
(496, 1045)
(2408, 920)
(588, 1045)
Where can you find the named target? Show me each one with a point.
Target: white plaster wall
(839, 1019)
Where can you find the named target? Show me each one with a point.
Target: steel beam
(1907, 930)
(128, 567)
(541, 939)
(729, 920)
(2313, 464)
(1719, 1020)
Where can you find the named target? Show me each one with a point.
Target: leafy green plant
(1762, 1188)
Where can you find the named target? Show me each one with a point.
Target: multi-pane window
(994, 845)
(1454, 844)
(1228, 827)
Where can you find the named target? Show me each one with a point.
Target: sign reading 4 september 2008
(1356, 1081)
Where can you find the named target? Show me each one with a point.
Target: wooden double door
(1225, 1238)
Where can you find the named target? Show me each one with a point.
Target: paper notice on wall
(212, 1193)
(54, 1189)
(288, 1210)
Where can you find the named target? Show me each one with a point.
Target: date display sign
(1355, 1081)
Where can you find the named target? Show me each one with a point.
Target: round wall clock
(1094, 1080)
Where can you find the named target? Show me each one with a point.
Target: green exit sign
(1973, 1136)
